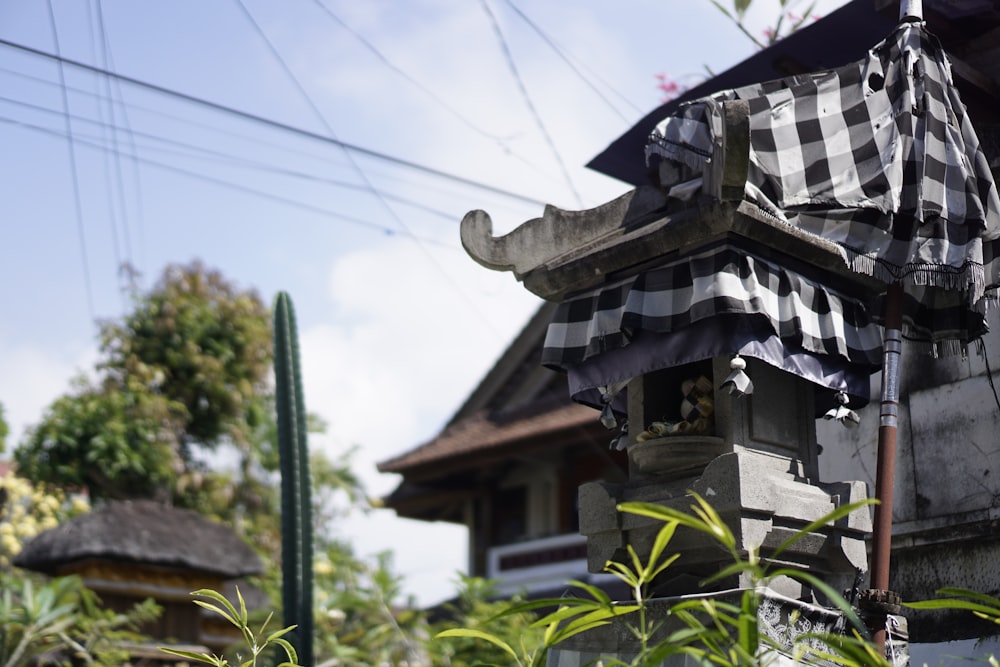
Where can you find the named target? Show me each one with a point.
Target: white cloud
(38, 375)
(413, 334)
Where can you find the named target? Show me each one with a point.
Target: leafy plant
(63, 617)
(257, 643)
(712, 631)
(477, 607)
(982, 606)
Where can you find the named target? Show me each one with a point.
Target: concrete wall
(947, 490)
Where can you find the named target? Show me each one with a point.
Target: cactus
(296, 510)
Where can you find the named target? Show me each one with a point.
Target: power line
(509, 57)
(201, 152)
(285, 127)
(107, 61)
(319, 114)
(501, 141)
(112, 163)
(364, 177)
(424, 89)
(591, 75)
(234, 186)
(78, 207)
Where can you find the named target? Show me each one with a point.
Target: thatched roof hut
(127, 551)
(142, 532)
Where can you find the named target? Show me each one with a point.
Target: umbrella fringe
(941, 348)
(971, 279)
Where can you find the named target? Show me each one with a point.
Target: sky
(328, 149)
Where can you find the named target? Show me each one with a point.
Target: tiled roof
(482, 433)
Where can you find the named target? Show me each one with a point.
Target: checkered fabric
(881, 158)
(720, 281)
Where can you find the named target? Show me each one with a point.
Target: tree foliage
(201, 342)
(183, 372)
(114, 441)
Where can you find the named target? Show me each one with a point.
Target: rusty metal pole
(880, 598)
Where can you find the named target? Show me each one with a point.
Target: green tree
(184, 372)
(114, 441)
(203, 343)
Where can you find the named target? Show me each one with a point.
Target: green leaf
(478, 634)
(967, 605)
(293, 657)
(280, 633)
(218, 610)
(564, 613)
(595, 592)
(243, 607)
(739, 567)
(541, 603)
(565, 633)
(966, 593)
(663, 537)
(189, 655)
(722, 9)
(219, 598)
(823, 521)
(661, 567)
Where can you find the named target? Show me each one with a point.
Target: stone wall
(946, 509)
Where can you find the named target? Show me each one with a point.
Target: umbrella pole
(880, 599)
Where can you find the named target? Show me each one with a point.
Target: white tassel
(608, 394)
(621, 442)
(842, 413)
(608, 419)
(738, 383)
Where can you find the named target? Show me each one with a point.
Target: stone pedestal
(756, 465)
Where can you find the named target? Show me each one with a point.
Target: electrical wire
(202, 152)
(587, 79)
(509, 57)
(503, 142)
(78, 207)
(245, 115)
(107, 62)
(389, 231)
(112, 173)
(412, 80)
(473, 305)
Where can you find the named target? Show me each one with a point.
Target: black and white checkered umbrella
(880, 158)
